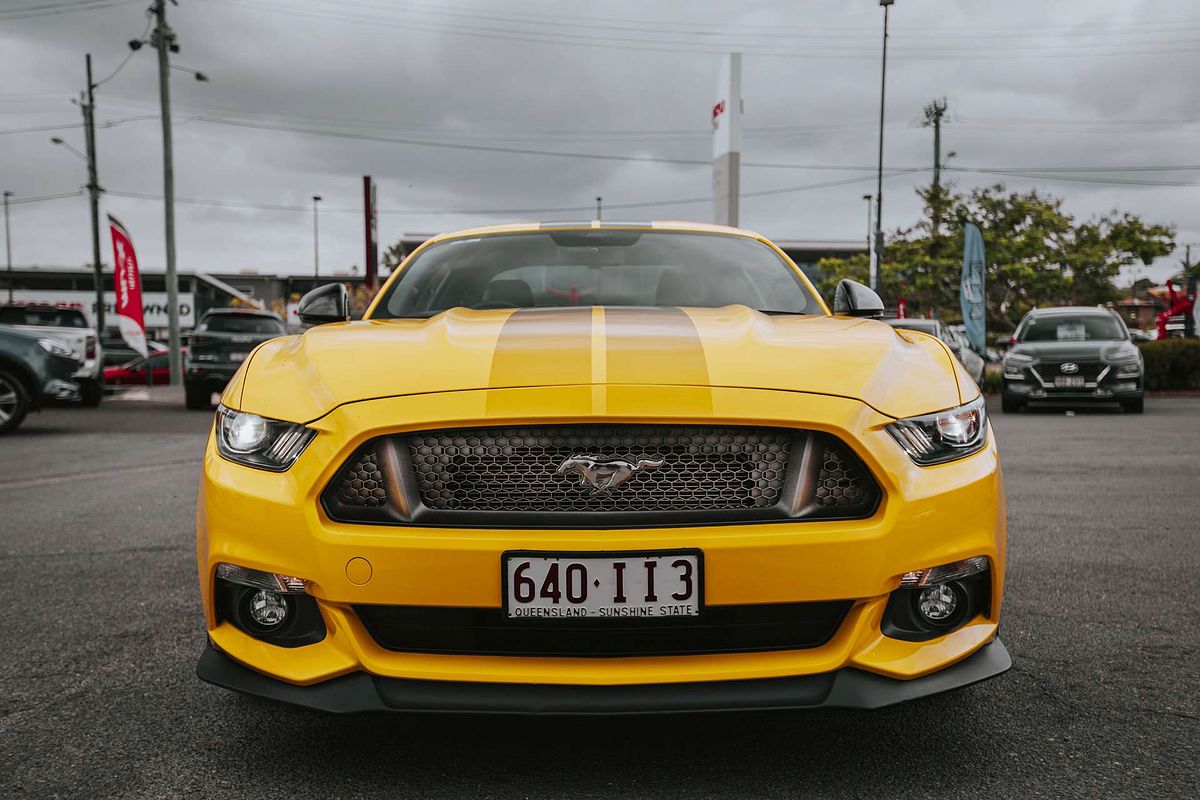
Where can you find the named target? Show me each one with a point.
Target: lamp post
(8, 245)
(94, 190)
(868, 198)
(316, 241)
(877, 261)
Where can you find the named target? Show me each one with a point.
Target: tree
(1037, 254)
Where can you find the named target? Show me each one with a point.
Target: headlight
(1127, 368)
(260, 442)
(944, 436)
(56, 348)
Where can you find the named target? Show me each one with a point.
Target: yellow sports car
(600, 468)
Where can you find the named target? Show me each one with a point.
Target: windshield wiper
(782, 313)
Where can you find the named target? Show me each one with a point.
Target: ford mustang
(600, 468)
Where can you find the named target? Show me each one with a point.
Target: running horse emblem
(603, 473)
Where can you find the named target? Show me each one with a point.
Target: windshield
(1071, 328)
(240, 323)
(597, 268)
(44, 317)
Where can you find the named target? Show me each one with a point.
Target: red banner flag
(902, 309)
(127, 285)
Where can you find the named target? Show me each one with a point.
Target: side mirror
(852, 299)
(328, 303)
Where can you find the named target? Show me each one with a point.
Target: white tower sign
(727, 140)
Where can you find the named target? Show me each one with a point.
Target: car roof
(656, 225)
(1037, 312)
(245, 312)
(917, 324)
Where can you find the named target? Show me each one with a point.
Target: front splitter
(844, 688)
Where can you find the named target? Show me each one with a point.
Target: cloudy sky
(306, 96)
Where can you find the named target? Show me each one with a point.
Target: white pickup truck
(69, 326)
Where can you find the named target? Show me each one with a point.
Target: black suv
(221, 342)
(1075, 355)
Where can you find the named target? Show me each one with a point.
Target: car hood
(301, 378)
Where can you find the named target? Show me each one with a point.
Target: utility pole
(877, 262)
(934, 112)
(163, 39)
(599, 200)
(8, 244)
(93, 186)
(316, 240)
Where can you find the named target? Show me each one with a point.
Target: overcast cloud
(1079, 83)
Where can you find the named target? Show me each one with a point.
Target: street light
(316, 241)
(8, 245)
(67, 145)
(868, 198)
(876, 262)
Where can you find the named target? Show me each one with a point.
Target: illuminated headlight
(260, 442)
(944, 436)
(56, 348)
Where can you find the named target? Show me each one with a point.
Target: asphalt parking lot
(101, 628)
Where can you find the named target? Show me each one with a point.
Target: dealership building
(200, 291)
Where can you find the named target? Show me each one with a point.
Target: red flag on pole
(127, 285)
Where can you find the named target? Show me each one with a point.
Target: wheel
(197, 398)
(1010, 405)
(1134, 406)
(14, 401)
(91, 392)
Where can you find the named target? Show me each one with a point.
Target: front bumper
(1108, 388)
(844, 688)
(274, 522)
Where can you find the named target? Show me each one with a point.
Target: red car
(133, 373)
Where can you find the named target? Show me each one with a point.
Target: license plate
(659, 583)
(236, 357)
(1068, 381)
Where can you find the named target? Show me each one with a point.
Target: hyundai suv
(1073, 354)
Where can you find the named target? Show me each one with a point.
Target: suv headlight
(1127, 368)
(944, 436)
(260, 442)
(56, 348)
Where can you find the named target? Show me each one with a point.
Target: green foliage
(1172, 363)
(1037, 254)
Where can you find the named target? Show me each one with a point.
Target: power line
(112, 123)
(45, 198)
(809, 51)
(52, 9)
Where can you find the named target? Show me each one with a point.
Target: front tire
(14, 401)
(91, 392)
(1134, 406)
(197, 398)
(1010, 405)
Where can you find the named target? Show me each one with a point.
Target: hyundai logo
(1069, 368)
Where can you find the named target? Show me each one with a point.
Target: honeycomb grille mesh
(841, 482)
(362, 485)
(517, 469)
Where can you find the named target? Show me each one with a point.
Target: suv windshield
(240, 323)
(45, 317)
(1071, 328)
(597, 268)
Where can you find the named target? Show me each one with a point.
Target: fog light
(268, 609)
(937, 603)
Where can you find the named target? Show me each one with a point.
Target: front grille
(1088, 370)
(601, 476)
(721, 629)
(498, 469)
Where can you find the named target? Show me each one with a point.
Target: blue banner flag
(972, 295)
